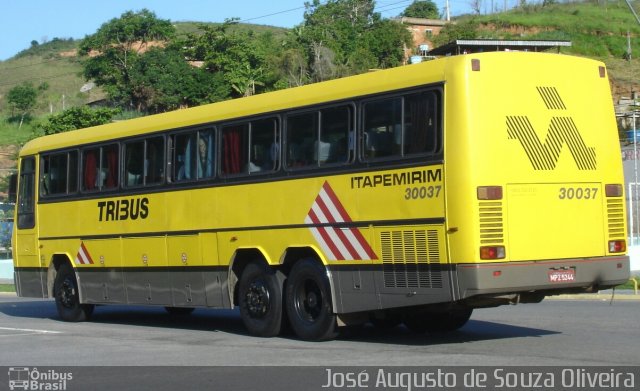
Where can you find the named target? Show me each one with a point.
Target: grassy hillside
(597, 29)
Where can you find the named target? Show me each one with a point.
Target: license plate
(567, 275)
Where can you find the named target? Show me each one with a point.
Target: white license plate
(567, 275)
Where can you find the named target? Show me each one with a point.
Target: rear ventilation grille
(491, 222)
(411, 259)
(615, 218)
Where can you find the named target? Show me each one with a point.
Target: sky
(24, 21)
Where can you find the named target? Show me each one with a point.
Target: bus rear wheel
(308, 302)
(260, 297)
(67, 296)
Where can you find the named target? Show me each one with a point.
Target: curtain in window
(232, 161)
(90, 173)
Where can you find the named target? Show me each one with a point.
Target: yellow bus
(410, 195)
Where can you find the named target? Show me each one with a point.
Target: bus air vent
(491, 222)
(411, 259)
(615, 218)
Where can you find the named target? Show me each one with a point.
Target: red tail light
(492, 252)
(617, 246)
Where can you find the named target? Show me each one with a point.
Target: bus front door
(29, 275)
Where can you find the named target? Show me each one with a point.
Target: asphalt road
(553, 333)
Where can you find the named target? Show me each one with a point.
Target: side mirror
(13, 188)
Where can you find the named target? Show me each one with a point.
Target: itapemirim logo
(561, 130)
(24, 378)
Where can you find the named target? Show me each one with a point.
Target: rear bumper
(585, 275)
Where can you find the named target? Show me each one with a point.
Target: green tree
(23, 98)
(111, 53)
(231, 54)
(341, 37)
(78, 118)
(451, 32)
(164, 81)
(422, 9)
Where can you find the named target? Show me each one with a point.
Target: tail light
(617, 246)
(613, 190)
(489, 193)
(492, 252)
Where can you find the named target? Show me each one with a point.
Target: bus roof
(324, 92)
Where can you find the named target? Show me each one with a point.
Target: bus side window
(422, 123)
(183, 161)
(57, 174)
(235, 145)
(382, 128)
(302, 137)
(134, 163)
(90, 168)
(154, 161)
(205, 154)
(144, 162)
(264, 148)
(335, 134)
(109, 167)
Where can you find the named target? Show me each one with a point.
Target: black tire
(308, 302)
(67, 296)
(260, 299)
(179, 311)
(437, 322)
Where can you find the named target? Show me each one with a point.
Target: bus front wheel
(65, 291)
(260, 297)
(308, 301)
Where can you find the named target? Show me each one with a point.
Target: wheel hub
(257, 299)
(67, 294)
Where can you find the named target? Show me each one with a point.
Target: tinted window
(320, 137)
(402, 126)
(59, 174)
(250, 148)
(26, 193)
(193, 155)
(144, 162)
(100, 168)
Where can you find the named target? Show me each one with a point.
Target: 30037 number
(423, 192)
(578, 193)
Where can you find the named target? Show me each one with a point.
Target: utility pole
(448, 12)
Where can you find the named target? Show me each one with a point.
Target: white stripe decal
(337, 243)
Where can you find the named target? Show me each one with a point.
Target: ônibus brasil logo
(24, 378)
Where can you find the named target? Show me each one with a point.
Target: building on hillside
(422, 31)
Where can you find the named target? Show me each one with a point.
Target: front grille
(411, 258)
